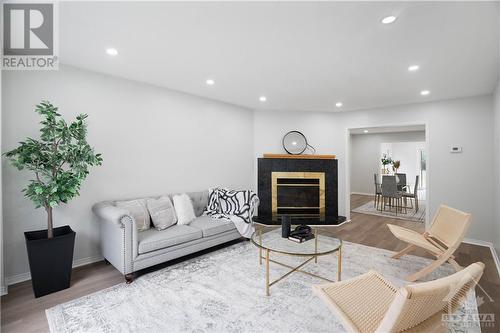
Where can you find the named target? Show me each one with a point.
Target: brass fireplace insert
(298, 193)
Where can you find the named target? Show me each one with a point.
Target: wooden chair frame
(432, 242)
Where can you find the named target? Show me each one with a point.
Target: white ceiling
(302, 56)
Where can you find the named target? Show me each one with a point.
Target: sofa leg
(129, 278)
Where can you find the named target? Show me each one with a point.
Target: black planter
(50, 260)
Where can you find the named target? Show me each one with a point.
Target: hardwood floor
(21, 312)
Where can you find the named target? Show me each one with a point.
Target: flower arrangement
(386, 160)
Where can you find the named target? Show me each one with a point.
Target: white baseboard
(3, 290)
(87, 261)
(494, 253)
(477, 242)
(361, 193)
(495, 257)
(10, 280)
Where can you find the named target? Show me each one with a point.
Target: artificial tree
(60, 160)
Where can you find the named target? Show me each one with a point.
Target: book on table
(301, 239)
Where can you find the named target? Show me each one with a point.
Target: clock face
(294, 142)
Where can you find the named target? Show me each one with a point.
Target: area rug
(409, 215)
(223, 291)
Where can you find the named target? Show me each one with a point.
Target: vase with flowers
(386, 160)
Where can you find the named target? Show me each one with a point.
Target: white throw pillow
(139, 211)
(183, 208)
(162, 212)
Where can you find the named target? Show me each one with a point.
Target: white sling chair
(443, 238)
(369, 303)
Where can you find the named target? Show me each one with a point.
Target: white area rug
(223, 291)
(410, 214)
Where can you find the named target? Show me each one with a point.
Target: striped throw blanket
(237, 206)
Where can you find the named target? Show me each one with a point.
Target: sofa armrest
(107, 212)
(119, 241)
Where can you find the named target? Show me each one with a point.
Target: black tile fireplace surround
(298, 191)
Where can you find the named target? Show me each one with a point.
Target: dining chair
(413, 195)
(390, 194)
(401, 181)
(370, 303)
(445, 235)
(378, 191)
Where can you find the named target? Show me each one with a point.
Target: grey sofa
(130, 250)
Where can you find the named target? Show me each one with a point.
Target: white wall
(365, 157)
(496, 171)
(496, 166)
(153, 141)
(455, 179)
(3, 287)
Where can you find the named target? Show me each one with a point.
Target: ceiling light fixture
(210, 82)
(425, 92)
(262, 98)
(413, 68)
(338, 104)
(365, 131)
(389, 19)
(112, 51)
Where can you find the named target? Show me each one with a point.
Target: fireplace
(298, 193)
(303, 187)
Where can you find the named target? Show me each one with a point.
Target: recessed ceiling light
(365, 131)
(112, 51)
(262, 98)
(413, 68)
(388, 19)
(425, 92)
(338, 104)
(210, 82)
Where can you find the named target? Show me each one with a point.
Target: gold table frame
(296, 268)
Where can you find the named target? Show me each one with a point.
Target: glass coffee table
(272, 242)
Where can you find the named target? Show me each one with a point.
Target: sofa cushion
(198, 199)
(138, 210)
(210, 226)
(152, 239)
(162, 212)
(183, 208)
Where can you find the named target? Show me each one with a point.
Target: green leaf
(60, 157)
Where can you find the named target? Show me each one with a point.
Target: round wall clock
(295, 143)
